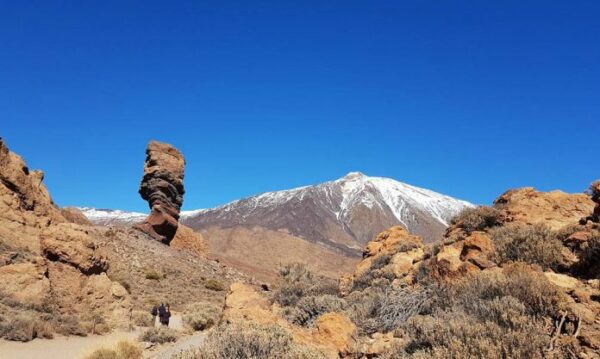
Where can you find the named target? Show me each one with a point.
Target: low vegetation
(159, 335)
(494, 314)
(142, 318)
(24, 327)
(123, 350)
(478, 219)
(201, 316)
(214, 284)
(530, 244)
(249, 342)
(305, 296)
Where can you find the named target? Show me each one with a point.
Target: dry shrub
(494, 314)
(25, 327)
(124, 350)
(70, 325)
(309, 308)
(201, 315)
(159, 335)
(250, 341)
(298, 282)
(589, 258)
(142, 318)
(153, 274)
(530, 244)
(478, 219)
(375, 275)
(215, 285)
(383, 310)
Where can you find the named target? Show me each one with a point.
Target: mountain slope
(343, 214)
(325, 225)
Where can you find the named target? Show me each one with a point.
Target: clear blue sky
(468, 98)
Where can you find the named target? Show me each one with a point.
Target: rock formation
(162, 187)
(396, 259)
(595, 192)
(47, 265)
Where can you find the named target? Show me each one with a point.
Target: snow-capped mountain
(342, 215)
(106, 217)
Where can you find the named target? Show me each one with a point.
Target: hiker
(164, 313)
(154, 313)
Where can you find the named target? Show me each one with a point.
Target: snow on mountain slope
(111, 217)
(343, 214)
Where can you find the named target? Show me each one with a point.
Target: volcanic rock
(595, 216)
(162, 187)
(556, 209)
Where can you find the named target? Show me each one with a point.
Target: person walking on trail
(164, 313)
(154, 313)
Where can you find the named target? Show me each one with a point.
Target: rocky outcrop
(187, 240)
(392, 253)
(555, 209)
(162, 187)
(466, 253)
(74, 215)
(48, 265)
(595, 192)
(333, 333)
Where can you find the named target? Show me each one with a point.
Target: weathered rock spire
(162, 187)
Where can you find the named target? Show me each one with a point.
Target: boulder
(556, 209)
(162, 187)
(68, 243)
(188, 240)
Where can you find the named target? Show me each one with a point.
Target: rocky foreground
(61, 275)
(520, 279)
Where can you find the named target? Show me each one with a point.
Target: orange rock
(188, 240)
(555, 209)
(336, 329)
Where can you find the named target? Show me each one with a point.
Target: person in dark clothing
(154, 313)
(164, 313)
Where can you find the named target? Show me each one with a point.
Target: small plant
(152, 274)
(201, 316)
(124, 350)
(478, 219)
(159, 335)
(214, 284)
(142, 318)
(309, 308)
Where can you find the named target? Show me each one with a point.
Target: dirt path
(78, 347)
(61, 347)
(182, 344)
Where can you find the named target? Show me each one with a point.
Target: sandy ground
(61, 347)
(78, 347)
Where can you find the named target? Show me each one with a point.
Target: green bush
(478, 219)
